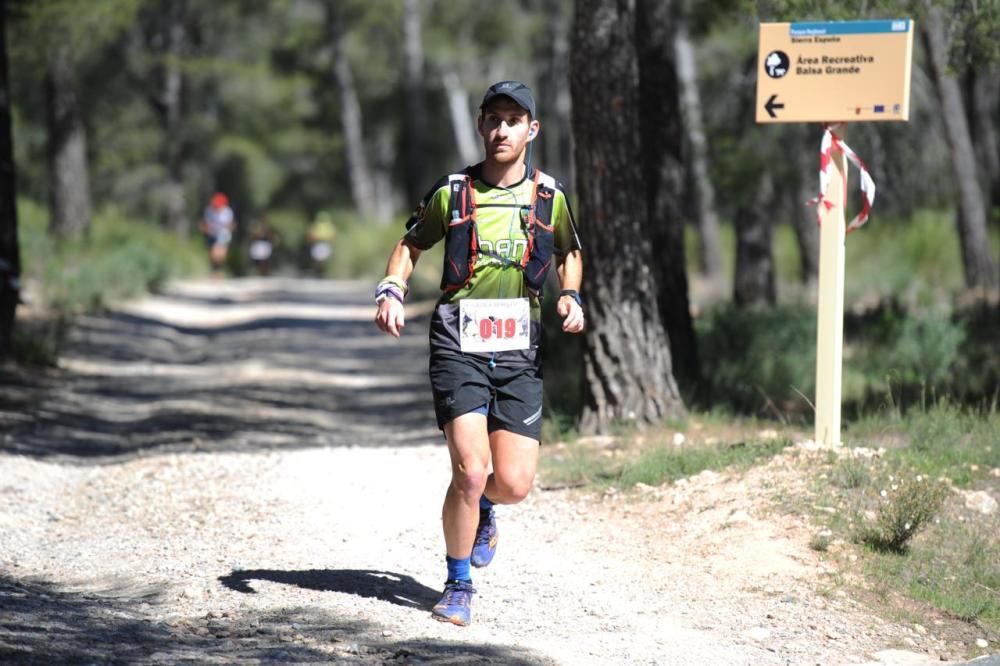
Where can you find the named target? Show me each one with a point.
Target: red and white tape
(831, 140)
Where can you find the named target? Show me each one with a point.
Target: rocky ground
(245, 471)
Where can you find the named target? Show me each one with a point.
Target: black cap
(516, 90)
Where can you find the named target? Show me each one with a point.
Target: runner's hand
(390, 318)
(572, 314)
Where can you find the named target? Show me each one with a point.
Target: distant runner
(319, 242)
(263, 242)
(217, 224)
(503, 224)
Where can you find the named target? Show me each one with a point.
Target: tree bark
(980, 268)
(361, 180)
(164, 34)
(754, 278)
(415, 119)
(176, 215)
(554, 146)
(382, 174)
(461, 118)
(710, 247)
(69, 180)
(806, 142)
(662, 128)
(982, 95)
(10, 260)
(627, 361)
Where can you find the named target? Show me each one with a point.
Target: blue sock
(484, 503)
(459, 569)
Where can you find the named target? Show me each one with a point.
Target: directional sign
(834, 71)
(771, 105)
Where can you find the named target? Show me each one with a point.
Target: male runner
(504, 224)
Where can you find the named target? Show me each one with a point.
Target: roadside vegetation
(909, 493)
(122, 257)
(119, 258)
(652, 458)
(909, 500)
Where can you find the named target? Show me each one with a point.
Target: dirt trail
(246, 471)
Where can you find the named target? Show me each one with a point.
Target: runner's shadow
(395, 588)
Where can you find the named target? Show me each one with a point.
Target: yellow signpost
(830, 72)
(834, 71)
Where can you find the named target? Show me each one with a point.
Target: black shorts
(463, 383)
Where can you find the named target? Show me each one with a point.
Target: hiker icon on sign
(776, 64)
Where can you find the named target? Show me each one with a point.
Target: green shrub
(38, 342)
(915, 258)
(926, 349)
(905, 506)
(851, 473)
(752, 358)
(118, 258)
(821, 541)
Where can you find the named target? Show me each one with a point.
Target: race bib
(260, 250)
(494, 324)
(320, 251)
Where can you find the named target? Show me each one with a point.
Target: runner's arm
(390, 316)
(402, 260)
(570, 270)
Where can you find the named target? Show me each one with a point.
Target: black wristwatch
(574, 294)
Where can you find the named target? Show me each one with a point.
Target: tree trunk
(382, 174)
(362, 182)
(69, 181)
(982, 95)
(175, 211)
(710, 247)
(461, 119)
(754, 279)
(163, 34)
(554, 147)
(662, 129)
(10, 261)
(415, 119)
(980, 269)
(627, 361)
(806, 140)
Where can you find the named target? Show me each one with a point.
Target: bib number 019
(494, 324)
(499, 328)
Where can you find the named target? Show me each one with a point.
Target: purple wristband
(388, 289)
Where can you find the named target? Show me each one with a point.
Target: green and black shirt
(500, 231)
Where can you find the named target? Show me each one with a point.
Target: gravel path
(245, 471)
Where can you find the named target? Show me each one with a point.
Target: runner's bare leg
(515, 460)
(469, 446)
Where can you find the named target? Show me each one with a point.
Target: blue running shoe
(487, 535)
(455, 604)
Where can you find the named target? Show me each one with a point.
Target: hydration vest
(462, 247)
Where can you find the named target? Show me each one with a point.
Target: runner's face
(506, 129)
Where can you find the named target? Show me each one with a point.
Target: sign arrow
(771, 104)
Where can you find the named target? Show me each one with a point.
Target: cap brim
(522, 101)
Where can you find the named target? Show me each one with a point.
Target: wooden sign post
(828, 72)
(830, 304)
